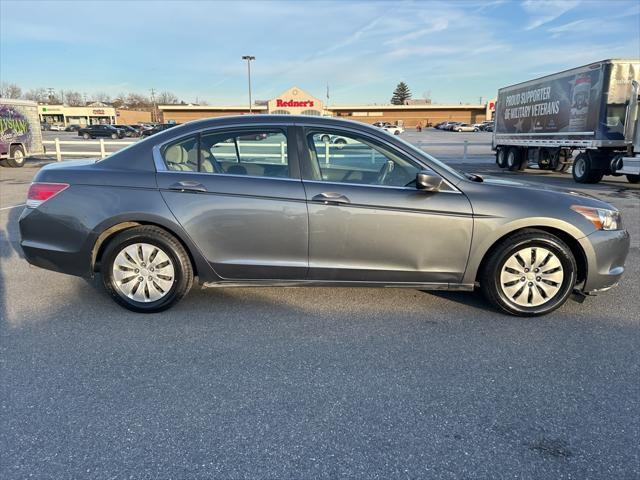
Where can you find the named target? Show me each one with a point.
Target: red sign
(492, 106)
(98, 112)
(293, 103)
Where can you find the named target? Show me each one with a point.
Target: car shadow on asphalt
(471, 299)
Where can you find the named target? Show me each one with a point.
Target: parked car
(465, 127)
(393, 129)
(389, 127)
(128, 130)
(187, 203)
(488, 127)
(100, 131)
(56, 127)
(156, 128)
(72, 128)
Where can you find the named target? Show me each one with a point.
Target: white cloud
(542, 12)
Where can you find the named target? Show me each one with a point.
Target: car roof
(257, 119)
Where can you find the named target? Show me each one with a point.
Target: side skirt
(466, 287)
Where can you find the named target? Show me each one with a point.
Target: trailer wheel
(563, 161)
(583, 172)
(16, 156)
(633, 178)
(501, 157)
(514, 159)
(545, 159)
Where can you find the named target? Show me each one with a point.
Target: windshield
(431, 159)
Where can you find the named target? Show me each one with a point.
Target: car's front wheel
(86, 136)
(114, 136)
(145, 269)
(528, 274)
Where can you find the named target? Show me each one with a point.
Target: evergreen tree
(401, 94)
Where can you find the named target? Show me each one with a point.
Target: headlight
(602, 218)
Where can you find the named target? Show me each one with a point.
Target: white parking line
(13, 206)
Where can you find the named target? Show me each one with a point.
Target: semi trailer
(588, 110)
(20, 132)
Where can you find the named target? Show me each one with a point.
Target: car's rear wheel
(145, 269)
(16, 157)
(86, 136)
(114, 136)
(528, 274)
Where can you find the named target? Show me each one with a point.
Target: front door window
(352, 159)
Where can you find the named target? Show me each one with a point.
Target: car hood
(568, 194)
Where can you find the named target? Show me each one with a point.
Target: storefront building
(296, 101)
(63, 115)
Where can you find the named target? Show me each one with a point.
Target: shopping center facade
(296, 101)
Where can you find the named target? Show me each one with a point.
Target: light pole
(248, 58)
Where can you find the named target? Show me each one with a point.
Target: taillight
(41, 192)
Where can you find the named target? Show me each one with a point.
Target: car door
(238, 194)
(367, 220)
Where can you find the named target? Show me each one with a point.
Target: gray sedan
(263, 200)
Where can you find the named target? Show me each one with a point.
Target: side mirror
(428, 182)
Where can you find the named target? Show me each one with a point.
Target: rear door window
(254, 153)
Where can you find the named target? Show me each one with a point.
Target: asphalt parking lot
(315, 383)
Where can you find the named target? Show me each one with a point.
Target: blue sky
(455, 51)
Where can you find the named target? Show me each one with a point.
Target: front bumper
(606, 252)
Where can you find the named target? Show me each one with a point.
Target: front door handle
(331, 198)
(188, 186)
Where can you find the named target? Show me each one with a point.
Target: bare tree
(10, 90)
(167, 98)
(119, 101)
(74, 99)
(37, 95)
(101, 97)
(135, 100)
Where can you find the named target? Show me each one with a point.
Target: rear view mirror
(428, 182)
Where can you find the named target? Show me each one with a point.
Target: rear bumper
(53, 245)
(606, 252)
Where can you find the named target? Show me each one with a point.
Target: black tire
(545, 159)
(325, 139)
(86, 136)
(501, 157)
(114, 136)
(633, 178)
(183, 270)
(583, 172)
(514, 159)
(563, 161)
(490, 275)
(16, 157)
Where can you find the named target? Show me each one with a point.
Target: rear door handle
(188, 186)
(331, 198)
